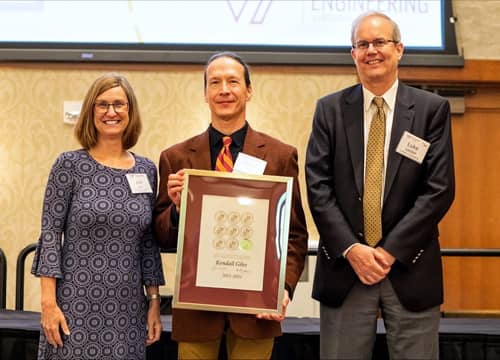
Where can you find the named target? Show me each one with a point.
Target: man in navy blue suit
(396, 269)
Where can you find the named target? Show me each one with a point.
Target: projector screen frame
(449, 56)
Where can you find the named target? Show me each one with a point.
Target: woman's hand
(53, 320)
(154, 321)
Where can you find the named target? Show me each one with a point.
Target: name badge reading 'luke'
(139, 183)
(412, 147)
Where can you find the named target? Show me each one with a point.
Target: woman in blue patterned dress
(96, 250)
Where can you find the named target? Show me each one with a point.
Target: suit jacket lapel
(254, 144)
(404, 115)
(199, 157)
(353, 115)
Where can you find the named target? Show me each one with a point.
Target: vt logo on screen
(256, 10)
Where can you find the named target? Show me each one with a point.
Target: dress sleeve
(152, 270)
(56, 204)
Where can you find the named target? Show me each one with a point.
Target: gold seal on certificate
(247, 218)
(232, 231)
(218, 243)
(234, 217)
(219, 230)
(220, 217)
(246, 232)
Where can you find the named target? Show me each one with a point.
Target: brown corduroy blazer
(194, 153)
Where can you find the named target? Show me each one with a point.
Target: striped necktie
(224, 160)
(372, 208)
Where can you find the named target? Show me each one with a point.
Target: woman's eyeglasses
(118, 107)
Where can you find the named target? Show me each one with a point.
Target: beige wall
(32, 132)
(478, 28)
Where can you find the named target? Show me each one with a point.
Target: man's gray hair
(396, 34)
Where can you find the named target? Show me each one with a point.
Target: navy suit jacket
(416, 196)
(194, 153)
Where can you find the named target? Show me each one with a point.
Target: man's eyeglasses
(377, 43)
(118, 107)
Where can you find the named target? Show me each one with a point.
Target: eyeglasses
(377, 43)
(118, 107)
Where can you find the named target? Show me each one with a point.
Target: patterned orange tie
(225, 159)
(372, 209)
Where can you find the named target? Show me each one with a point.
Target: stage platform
(460, 338)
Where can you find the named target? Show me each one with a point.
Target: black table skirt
(460, 338)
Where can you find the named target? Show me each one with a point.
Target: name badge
(139, 183)
(247, 164)
(413, 147)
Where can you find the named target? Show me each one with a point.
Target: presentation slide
(292, 23)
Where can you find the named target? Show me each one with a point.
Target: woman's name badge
(139, 183)
(413, 147)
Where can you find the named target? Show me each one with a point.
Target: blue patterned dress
(96, 239)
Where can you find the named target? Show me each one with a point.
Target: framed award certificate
(232, 242)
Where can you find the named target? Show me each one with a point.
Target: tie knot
(226, 140)
(379, 102)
